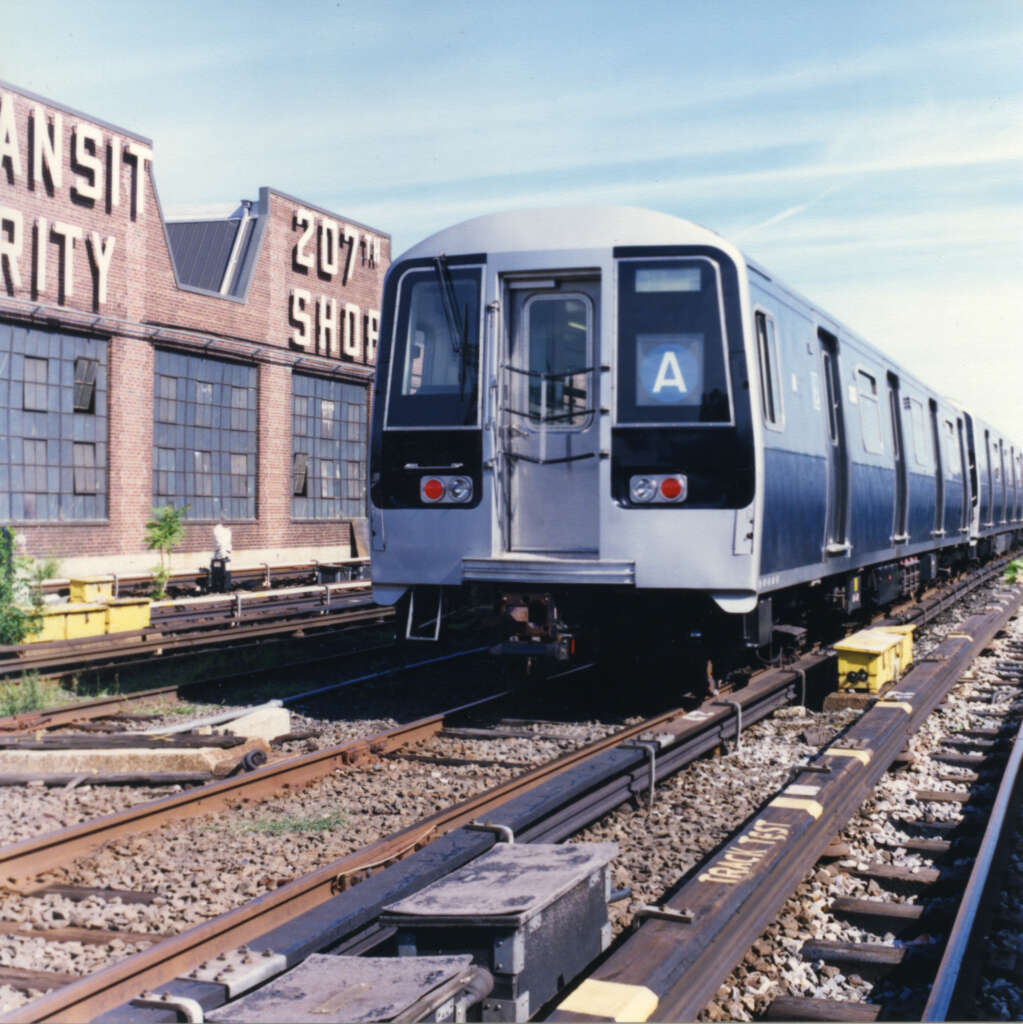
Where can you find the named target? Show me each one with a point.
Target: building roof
(215, 255)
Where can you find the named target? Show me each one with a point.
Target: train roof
(580, 228)
(569, 228)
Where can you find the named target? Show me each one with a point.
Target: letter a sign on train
(670, 374)
(669, 369)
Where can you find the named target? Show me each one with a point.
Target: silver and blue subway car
(610, 419)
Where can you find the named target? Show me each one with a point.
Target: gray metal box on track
(534, 915)
(335, 989)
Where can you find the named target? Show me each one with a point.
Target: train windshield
(435, 360)
(671, 343)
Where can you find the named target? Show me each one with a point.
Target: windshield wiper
(458, 325)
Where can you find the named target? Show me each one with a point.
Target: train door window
(770, 371)
(919, 430)
(559, 360)
(1013, 481)
(1003, 477)
(953, 459)
(870, 412)
(829, 385)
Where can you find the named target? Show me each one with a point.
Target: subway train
(625, 433)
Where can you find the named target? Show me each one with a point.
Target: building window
(205, 434)
(203, 404)
(329, 448)
(85, 385)
(300, 474)
(166, 398)
(164, 465)
(53, 425)
(35, 391)
(202, 463)
(85, 477)
(240, 476)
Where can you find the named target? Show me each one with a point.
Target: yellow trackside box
(868, 660)
(125, 614)
(91, 588)
(54, 625)
(70, 621)
(84, 619)
(906, 648)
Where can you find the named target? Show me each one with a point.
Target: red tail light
(433, 489)
(671, 488)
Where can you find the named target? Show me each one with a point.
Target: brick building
(222, 364)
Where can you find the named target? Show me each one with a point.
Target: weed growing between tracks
(292, 824)
(281, 826)
(31, 693)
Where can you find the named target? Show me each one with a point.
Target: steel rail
(673, 969)
(555, 814)
(264, 572)
(83, 710)
(93, 656)
(29, 858)
(102, 707)
(953, 981)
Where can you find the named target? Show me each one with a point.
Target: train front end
(562, 422)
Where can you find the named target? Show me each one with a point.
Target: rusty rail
(100, 652)
(551, 817)
(22, 861)
(957, 975)
(670, 969)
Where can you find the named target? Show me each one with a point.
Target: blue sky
(869, 153)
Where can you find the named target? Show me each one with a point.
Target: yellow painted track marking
(908, 708)
(811, 807)
(611, 1000)
(863, 756)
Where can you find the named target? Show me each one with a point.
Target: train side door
(836, 538)
(964, 469)
(899, 530)
(989, 495)
(939, 475)
(973, 522)
(549, 415)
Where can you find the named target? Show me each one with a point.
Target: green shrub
(30, 694)
(21, 594)
(1012, 570)
(164, 532)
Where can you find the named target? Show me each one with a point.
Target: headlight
(642, 488)
(460, 489)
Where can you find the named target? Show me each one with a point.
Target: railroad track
(547, 802)
(265, 576)
(179, 632)
(672, 964)
(936, 864)
(552, 803)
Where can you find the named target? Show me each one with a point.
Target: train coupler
(560, 649)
